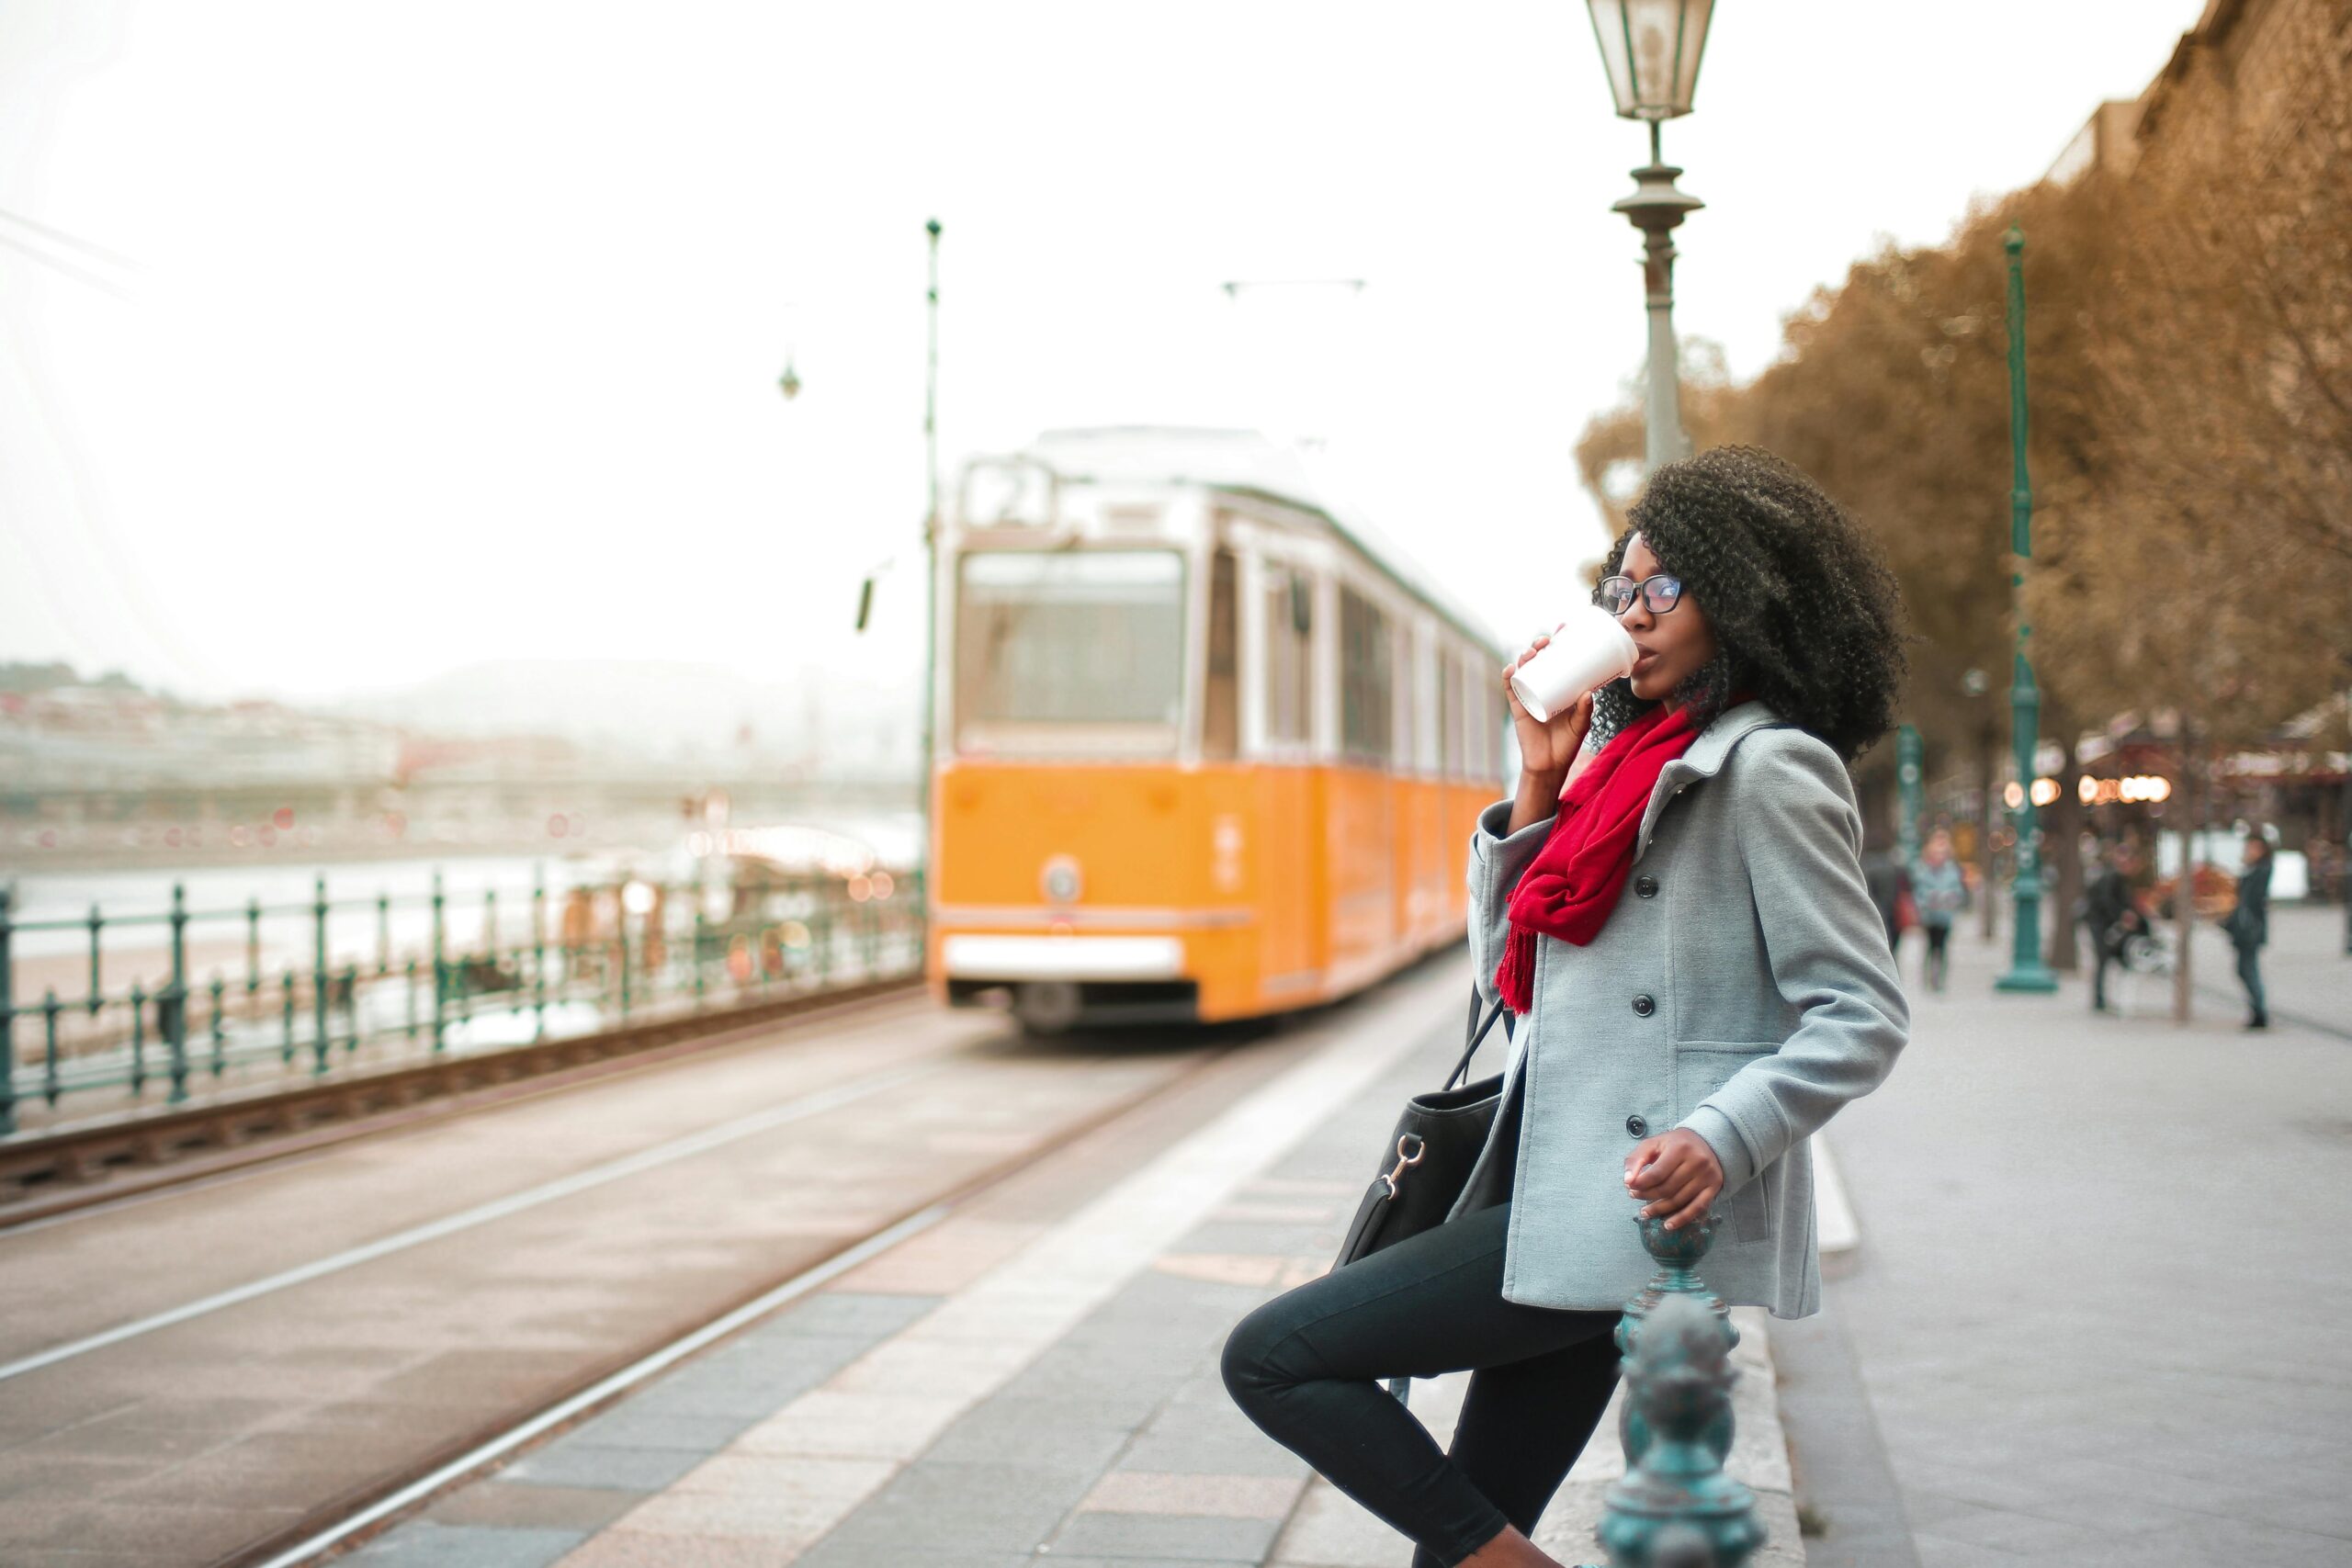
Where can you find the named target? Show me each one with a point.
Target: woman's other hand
(1674, 1174)
(1546, 748)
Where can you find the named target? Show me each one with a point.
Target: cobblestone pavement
(2097, 1305)
(1035, 1379)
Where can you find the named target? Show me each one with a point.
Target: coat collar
(1704, 760)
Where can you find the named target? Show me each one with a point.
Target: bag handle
(1477, 1034)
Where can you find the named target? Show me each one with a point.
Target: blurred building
(2272, 71)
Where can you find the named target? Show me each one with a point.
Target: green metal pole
(620, 919)
(174, 1008)
(539, 950)
(440, 968)
(1908, 753)
(323, 1038)
(50, 1086)
(2027, 972)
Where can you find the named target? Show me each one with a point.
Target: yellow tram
(1206, 750)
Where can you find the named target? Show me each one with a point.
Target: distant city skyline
(405, 350)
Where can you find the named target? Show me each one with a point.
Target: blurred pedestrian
(1676, 1045)
(2111, 913)
(2247, 924)
(1941, 892)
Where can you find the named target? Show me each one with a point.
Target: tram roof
(1248, 463)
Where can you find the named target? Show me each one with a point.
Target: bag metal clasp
(1403, 1159)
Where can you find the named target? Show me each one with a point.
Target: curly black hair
(1806, 614)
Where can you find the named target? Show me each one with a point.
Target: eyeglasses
(1660, 592)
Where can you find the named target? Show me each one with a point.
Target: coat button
(1637, 1126)
(1645, 886)
(1643, 1005)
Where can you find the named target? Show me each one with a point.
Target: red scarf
(1569, 887)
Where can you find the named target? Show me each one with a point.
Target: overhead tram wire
(73, 269)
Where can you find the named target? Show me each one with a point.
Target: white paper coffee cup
(1589, 649)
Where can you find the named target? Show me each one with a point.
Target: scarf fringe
(1515, 977)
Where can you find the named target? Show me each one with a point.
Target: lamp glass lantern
(1651, 51)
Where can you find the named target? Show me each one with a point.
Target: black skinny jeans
(1307, 1366)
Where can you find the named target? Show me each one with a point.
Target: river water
(477, 891)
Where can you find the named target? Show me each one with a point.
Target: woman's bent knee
(1249, 1365)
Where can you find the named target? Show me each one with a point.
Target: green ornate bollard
(1676, 1253)
(1676, 1507)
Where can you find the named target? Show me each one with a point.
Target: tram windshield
(1070, 652)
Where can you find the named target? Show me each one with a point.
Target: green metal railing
(324, 982)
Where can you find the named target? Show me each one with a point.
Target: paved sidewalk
(1035, 1379)
(2097, 1308)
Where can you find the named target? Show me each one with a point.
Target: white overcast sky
(454, 329)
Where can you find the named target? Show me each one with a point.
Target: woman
(1941, 892)
(1677, 1045)
(2249, 925)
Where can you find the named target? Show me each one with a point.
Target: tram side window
(1473, 686)
(1474, 757)
(1406, 753)
(1467, 667)
(1449, 713)
(1367, 699)
(1221, 706)
(1290, 666)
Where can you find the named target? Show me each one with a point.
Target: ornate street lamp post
(1651, 50)
(2027, 972)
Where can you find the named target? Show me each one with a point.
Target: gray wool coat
(1742, 988)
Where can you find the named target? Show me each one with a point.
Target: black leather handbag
(1428, 1157)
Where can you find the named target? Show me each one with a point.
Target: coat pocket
(1702, 1066)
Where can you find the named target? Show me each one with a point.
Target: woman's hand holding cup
(1547, 748)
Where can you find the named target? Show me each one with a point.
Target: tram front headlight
(1060, 880)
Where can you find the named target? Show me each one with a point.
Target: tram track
(117, 1161)
(343, 1514)
(403, 1495)
(496, 1448)
(481, 1214)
